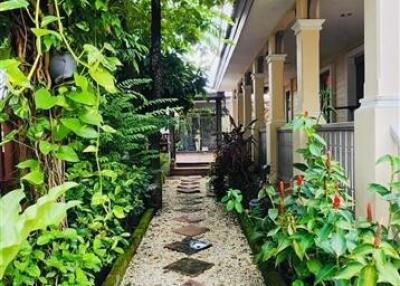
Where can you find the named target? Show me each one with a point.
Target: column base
(374, 123)
(272, 147)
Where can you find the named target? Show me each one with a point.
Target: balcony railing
(340, 141)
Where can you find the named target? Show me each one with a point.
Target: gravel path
(230, 253)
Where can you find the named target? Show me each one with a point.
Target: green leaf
(314, 265)
(238, 207)
(91, 116)
(108, 129)
(14, 74)
(315, 149)
(39, 32)
(300, 166)
(118, 211)
(81, 81)
(44, 100)
(47, 147)
(272, 214)
(31, 164)
(98, 199)
(103, 78)
(325, 274)
(298, 283)
(368, 276)
(90, 149)
(349, 271)
(67, 153)
(13, 4)
(75, 126)
(319, 139)
(48, 20)
(83, 97)
(378, 188)
(35, 177)
(338, 243)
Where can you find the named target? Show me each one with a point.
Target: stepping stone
(190, 202)
(189, 219)
(189, 266)
(211, 194)
(193, 283)
(189, 210)
(191, 230)
(189, 246)
(188, 191)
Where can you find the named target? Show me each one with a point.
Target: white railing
(340, 141)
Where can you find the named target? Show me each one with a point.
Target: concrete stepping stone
(189, 210)
(189, 219)
(189, 266)
(189, 246)
(191, 230)
(191, 282)
(188, 191)
(190, 202)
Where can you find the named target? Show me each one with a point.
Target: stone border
(270, 275)
(116, 275)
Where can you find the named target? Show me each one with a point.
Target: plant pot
(62, 67)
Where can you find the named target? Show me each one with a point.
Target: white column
(380, 109)
(277, 109)
(307, 33)
(258, 92)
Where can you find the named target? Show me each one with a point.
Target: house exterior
(287, 55)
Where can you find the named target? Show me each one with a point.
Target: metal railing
(285, 154)
(340, 141)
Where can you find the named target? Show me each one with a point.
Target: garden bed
(114, 278)
(270, 275)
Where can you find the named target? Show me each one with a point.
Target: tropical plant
(16, 226)
(233, 166)
(310, 229)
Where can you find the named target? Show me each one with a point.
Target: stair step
(188, 171)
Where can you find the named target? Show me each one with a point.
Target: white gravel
(230, 251)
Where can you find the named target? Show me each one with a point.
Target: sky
(206, 55)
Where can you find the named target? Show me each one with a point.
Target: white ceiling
(261, 20)
(338, 34)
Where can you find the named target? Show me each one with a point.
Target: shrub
(310, 230)
(233, 166)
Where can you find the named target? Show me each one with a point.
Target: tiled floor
(227, 262)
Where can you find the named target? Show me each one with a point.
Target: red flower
(337, 202)
(281, 189)
(299, 180)
(369, 212)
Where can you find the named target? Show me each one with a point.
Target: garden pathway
(227, 262)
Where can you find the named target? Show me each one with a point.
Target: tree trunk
(156, 196)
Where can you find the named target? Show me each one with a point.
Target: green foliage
(233, 201)
(233, 166)
(91, 128)
(15, 227)
(310, 230)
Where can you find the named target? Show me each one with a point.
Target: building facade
(338, 58)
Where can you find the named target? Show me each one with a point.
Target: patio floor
(188, 213)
